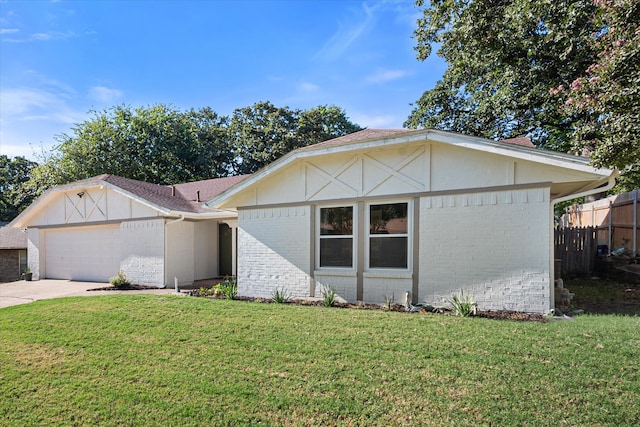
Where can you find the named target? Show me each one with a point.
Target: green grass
(136, 360)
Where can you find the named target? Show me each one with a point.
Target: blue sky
(60, 59)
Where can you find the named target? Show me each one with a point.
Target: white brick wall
(274, 251)
(142, 252)
(343, 283)
(33, 252)
(494, 245)
(378, 286)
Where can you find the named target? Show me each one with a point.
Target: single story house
(372, 215)
(91, 229)
(13, 253)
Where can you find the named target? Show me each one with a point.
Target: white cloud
(307, 87)
(347, 34)
(104, 94)
(377, 121)
(46, 36)
(383, 76)
(9, 30)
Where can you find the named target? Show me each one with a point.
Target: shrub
(389, 301)
(229, 287)
(281, 296)
(328, 296)
(463, 305)
(120, 281)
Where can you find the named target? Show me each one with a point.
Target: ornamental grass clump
(328, 296)
(229, 287)
(463, 305)
(120, 281)
(281, 296)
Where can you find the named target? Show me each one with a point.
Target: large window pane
(337, 220)
(336, 252)
(388, 252)
(388, 219)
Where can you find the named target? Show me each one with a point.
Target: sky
(62, 59)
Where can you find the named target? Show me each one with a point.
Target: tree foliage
(515, 66)
(14, 197)
(163, 145)
(263, 132)
(607, 96)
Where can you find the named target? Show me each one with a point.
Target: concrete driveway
(22, 292)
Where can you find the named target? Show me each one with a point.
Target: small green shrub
(389, 301)
(206, 292)
(463, 305)
(120, 281)
(328, 296)
(281, 296)
(228, 288)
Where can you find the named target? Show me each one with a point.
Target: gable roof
(517, 148)
(179, 199)
(12, 238)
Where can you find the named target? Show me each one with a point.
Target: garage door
(83, 253)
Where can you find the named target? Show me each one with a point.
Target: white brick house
(374, 214)
(381, 212)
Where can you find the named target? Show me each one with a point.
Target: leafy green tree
(158, 144)
(324, 122)
(607, 96)
(263, 132)
(503, 57)
(14, 173)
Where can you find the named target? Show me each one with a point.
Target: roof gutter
(175, 220)
(611, 182)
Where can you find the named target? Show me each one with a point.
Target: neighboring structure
(378, 213)
(91, 229)
(13, 253)
(371, 215)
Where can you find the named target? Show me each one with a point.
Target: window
(389, 236)
(336, 236)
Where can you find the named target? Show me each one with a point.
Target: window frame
(353, 236)
(408, 235)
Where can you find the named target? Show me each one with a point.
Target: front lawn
(137, 360)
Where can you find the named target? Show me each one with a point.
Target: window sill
(335, 273)
(388, 274)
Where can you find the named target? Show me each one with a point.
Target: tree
(503, 57)
(162, 145)
(607, 96)
(564, 73)
(263, 132)
(158, 144)
(14, 173)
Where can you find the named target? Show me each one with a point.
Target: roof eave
(471, 142)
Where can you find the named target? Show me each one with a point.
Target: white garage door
(83, 253)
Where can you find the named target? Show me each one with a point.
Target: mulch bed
(497, 315)
(123, 288)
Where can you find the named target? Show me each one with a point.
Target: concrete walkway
(22, 292)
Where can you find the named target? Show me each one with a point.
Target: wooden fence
(576, 249)
(606, 224)
(616, 218)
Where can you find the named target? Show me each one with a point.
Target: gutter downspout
(166, 224)
(611, 182)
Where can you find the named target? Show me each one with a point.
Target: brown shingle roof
(184, 200)
(522, 141)
(12, 238)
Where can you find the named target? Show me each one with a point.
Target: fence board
(576, 247)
